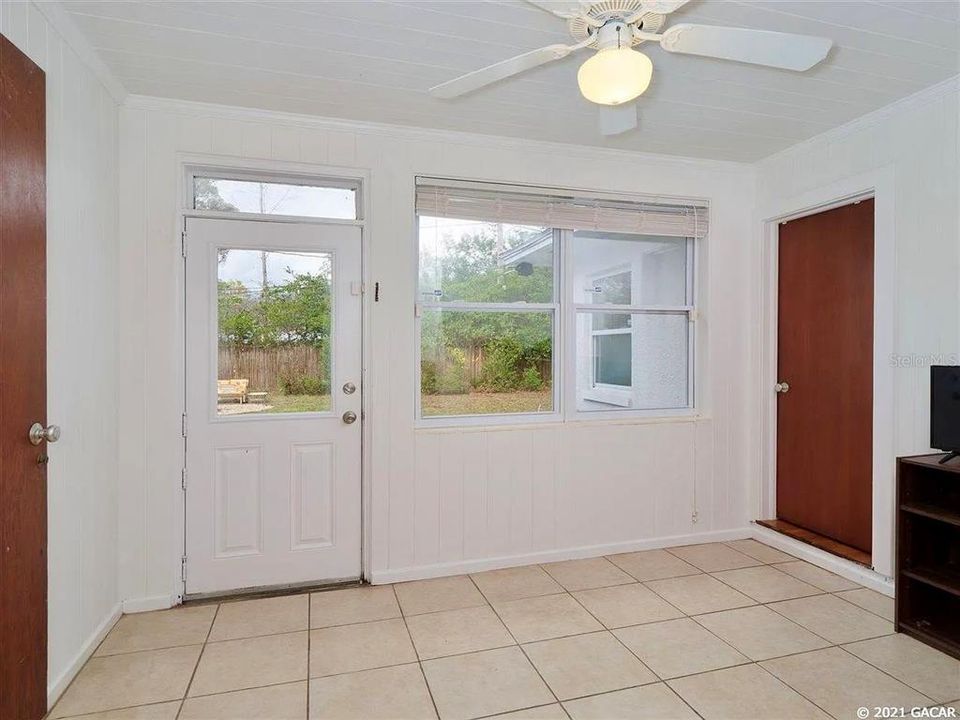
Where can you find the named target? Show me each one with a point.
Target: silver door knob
(38, 433)
(782, 387)
(349, 388)
(349, 417)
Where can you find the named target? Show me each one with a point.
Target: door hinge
(183, 479)
(183, 425)
(183, 243)
(183, 568)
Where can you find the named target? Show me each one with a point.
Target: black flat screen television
(945, 409)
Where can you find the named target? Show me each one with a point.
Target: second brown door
(825, 357)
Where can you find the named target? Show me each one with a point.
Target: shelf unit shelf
(928, 551)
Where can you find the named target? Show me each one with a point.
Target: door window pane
(274, 329)
(621, 269)
(470, 261)
(274, 198)
(642, 368)
(485, 363)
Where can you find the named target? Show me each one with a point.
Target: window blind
(508, 204)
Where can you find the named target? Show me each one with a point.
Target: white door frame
(186, 163)
(879, 185)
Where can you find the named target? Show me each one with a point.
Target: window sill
(506, 423)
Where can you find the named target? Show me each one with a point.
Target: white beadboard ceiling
(374, 60)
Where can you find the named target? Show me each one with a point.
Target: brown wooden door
(23, 394)
(825, 354)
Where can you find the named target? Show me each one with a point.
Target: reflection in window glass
(274, 198)
(470, 261)
(274, 313)
(476, 362)
(620, 269)
(641, 367)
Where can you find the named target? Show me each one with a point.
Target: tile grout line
(880, 669)
(791, 687)
(632, 653)
(416, 652)
(196, 667)
(309, 639)
(517, 642)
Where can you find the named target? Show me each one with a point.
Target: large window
(513, 288)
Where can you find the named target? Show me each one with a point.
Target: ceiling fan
(617, 74)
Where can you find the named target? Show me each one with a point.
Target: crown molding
(61, 21)
(919, 99)
(412, 133)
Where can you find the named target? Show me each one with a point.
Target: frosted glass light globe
(614, 76)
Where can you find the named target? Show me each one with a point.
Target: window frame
(553, 415)
(564, 358)
(689, 309)
(240, 175)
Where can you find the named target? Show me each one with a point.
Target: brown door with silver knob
(825, 371)
(23, 465)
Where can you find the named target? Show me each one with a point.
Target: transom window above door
(544, 306)
(214, 192)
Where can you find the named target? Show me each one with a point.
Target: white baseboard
(59, 684)
(460, 567)
(815, 556)
(146, 604)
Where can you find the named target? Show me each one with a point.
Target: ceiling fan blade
(617, 119)
(759, 47)
(507, 68)
(663, 7)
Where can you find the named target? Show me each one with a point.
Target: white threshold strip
(828, 561)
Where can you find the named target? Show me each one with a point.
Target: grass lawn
(477, 403)
(298, 403)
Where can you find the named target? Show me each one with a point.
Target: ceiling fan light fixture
(615, 75)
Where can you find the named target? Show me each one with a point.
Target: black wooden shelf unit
(928, 551)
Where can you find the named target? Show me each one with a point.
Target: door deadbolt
(349, 388)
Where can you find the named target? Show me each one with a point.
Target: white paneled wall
(439, 501)
(81, 338)
(913, 146)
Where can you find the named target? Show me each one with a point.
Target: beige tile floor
(724, 630)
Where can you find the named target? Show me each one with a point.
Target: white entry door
(273, 366)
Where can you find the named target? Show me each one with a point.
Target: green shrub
(531, 380)
(428, 377)
(304, 385)
(501, 367)
(452, 379)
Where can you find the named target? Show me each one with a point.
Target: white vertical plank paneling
(284, 143)
(17, 22)
(500, 487)
(131, 303)
(440, 496)
(256, 140)
(426, 517)
(313, 145)
(227, 137)
(164, 451)
(341, 148)
(451, 497)
(543, 469)
(36, 36)
(521, 491)
(475, 474)
(195, 134)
